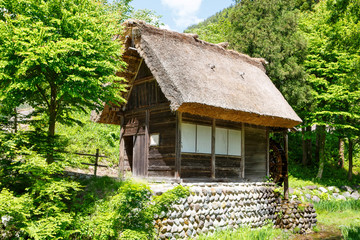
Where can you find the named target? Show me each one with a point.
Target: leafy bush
(130, 212)
(53, 206)
(39, 209)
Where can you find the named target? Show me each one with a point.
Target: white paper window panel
(188, 137)
(154, 139)
(234, 142)
(203, 136)
(221, 141)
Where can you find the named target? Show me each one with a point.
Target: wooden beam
(213, 157)
(286, 180)
(143, 80)
(147, 141)
(121, 150)
(178, 145)
(242, 163)
(267, 152)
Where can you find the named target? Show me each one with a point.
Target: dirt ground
(325, 233)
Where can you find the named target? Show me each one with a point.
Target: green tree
(215, 29)
(269, 29)
(60, 56)
(333, 64)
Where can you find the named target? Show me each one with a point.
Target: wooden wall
(146, 100)
(255, 152)
(162, 157)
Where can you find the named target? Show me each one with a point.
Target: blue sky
(177, 15)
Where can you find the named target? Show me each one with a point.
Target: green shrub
(39, 210)
(128, 213)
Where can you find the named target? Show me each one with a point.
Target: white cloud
(184, 11)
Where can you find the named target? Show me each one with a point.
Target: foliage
(269, 29)
(38, 208)
(301, 176)
(50, 205)
(149, 16)
(351, 232)
(89, 136)
(243, 233)
(333, 65)
(131, 210)
(59, 57)
(214, 29)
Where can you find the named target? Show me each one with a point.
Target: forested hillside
(312, 52)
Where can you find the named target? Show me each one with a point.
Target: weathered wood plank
(255, 152)
(178, 145)
(122, 152)
(243, 158)
(213, 157)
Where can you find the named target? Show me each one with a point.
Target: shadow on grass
(332, 176)
(95, 188)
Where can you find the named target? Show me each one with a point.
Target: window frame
(195, 141)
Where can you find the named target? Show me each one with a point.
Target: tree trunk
(308, 145)
(317, 144)
(351, 148)
(52, 123)
(304, 147)
(321, 148)
(15, 120)
(341, 153)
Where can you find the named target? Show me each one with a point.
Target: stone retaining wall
(295, 216)
(213, 206)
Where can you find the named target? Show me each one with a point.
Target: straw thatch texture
(206, 79)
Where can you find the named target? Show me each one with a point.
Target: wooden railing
(96, 155)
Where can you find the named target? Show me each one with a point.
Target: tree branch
(42, 93)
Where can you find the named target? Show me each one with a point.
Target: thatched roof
(206, 79)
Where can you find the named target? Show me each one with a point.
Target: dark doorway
(129, 146)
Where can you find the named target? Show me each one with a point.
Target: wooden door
(140, 156)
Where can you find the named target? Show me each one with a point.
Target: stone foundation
(296, 216)
(213, 206)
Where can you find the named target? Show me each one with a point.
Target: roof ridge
(192, 38)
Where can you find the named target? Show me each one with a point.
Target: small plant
(351, 232)
(316, 229)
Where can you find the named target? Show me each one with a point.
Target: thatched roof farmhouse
(194, 109)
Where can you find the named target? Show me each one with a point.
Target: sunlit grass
(247, 233)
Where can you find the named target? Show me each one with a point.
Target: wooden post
(147, 140)
(178, 145)
(267, 152)
(122, 150)
(286, 180)
(96, 161)
(242, 174)
(213, 157)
